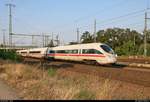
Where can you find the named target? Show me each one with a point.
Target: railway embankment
(134, 61)
(64, 80)
(135, 65)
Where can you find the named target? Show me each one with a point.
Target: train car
(37, 53)
(93, 52)
(23, 53)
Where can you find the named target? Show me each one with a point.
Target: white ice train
(93, 52)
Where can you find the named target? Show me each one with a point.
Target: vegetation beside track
(33, 82)
(10, 55)
(125, 42)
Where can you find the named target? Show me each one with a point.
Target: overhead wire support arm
(29, 35)
(32, 37)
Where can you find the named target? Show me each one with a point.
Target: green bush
(84, 94)
(9, 55)
(141, 50)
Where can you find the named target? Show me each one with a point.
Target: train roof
(78, 46)
(65, 46)
(34, 49)
(81, 44)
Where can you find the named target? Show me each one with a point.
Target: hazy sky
(64, 16)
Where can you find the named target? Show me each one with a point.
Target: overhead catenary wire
(91, 15)
(122, 20)
(102, 10)
(134, 24)
(117, 18)
(107, 19)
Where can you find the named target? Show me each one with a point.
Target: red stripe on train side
(77, 55)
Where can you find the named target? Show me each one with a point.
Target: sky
(63, 17)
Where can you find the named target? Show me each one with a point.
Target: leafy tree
(86, 38)
(123, 41)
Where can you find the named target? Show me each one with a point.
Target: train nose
(112, 59)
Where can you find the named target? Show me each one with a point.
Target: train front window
(107, 49)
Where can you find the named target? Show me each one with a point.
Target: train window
(90, 51)
(35, 52)
(67, 51)
(98, 52)
(60, 51)
(84, 51)
(63, 51)
(74, 51)
(107, 49)
(23, 52)
(51, 51)
(70, 51)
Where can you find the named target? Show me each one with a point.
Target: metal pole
(43, 41)
(52, 37)
(10, 26)
(46, 40)
(10, 23)
(32, 40)
(4, 41)
(95, 30)
(134, 45)
(78, 41)
(145, 36)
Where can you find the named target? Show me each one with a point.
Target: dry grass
(65, 85)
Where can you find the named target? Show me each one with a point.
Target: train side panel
(101, 57)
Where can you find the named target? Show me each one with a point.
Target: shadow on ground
(118, 66)
(58, 66)
(48, 64)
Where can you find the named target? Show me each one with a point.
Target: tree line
(124, 41)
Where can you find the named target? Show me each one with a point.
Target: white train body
(98, 52)
(34, 53)
(84, 52)
(23, 53)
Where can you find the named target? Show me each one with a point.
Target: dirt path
(6, 93)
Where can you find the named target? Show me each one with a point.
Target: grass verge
(59, 84)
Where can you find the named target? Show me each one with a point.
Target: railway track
(128, 60)
(117, 72)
